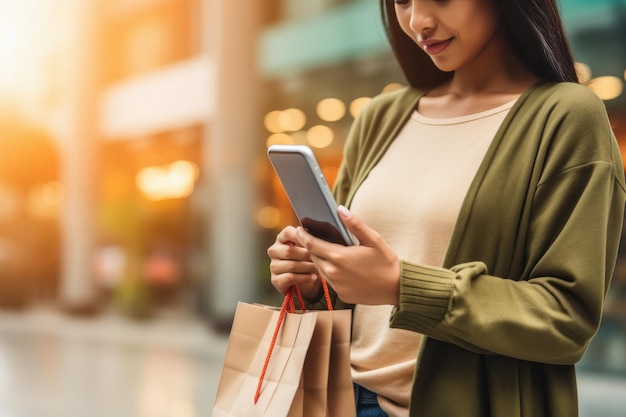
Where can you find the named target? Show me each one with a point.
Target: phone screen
(305, 186)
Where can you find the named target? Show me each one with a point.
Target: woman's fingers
(291, 264)
(367, 273)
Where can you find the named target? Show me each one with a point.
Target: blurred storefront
(153, 109)
(177, 112)
(155, 105)
(29, 198)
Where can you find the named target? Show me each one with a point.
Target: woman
(488, 201)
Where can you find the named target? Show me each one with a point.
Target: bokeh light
(268, 217)
(271, 121)
(320, 136)
(175, 180)
(279, 139)
(45, 201)
(392, 87)
(292, 119)
(357, 105)
(331, 109)
(607, 87)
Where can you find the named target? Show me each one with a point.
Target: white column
(233, 143)
(77, 141)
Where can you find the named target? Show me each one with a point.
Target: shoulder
(567, 98)
(398, 101)
(384, 113)
(561, 107)
(376, 125)
(572, 125)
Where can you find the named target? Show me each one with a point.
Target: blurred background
(137, 201)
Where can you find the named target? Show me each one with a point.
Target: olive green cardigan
(529, 262)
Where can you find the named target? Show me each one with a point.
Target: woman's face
(454, 33)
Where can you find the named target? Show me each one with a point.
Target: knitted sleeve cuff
(425, 293)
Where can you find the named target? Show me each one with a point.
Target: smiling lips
(434, 47)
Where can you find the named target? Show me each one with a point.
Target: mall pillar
(232, 146)
(77, 141)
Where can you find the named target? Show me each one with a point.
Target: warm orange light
(175, 180)
(268, 217)
(607, 87)
(357, 105)
(292, 119)
(45, 200)
(281, 121)
(272, 121)
(320, 136)
(331, 109)
(392, 87)
(279, 139)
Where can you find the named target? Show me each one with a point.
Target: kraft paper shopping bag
(287, 363)
(247, 348)
(326, 389)
(340, 390)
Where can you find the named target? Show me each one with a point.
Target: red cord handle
(288, 306)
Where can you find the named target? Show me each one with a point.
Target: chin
(444, 65)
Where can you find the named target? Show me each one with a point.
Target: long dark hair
(534, 30)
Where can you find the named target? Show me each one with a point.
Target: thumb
(355, 225)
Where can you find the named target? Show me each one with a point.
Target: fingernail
(344, 211)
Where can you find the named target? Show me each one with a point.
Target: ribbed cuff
(425, 294)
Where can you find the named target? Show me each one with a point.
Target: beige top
(437, 159)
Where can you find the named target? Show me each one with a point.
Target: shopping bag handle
(288, 306)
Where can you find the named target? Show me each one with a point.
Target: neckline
(463, 119)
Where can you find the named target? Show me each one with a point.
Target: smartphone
(308, 192)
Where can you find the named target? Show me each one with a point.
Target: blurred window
(142, 36)
(293, 9)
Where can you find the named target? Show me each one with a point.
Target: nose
(422, 19)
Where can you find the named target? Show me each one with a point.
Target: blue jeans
(367, 403)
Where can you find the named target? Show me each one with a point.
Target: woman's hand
(291, 264)
(367, 273)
